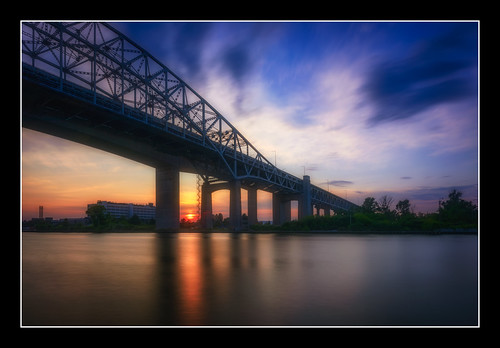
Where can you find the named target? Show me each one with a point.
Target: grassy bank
(371, 223)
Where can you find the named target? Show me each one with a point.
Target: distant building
(127, 210)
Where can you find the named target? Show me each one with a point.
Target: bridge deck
(95, 85)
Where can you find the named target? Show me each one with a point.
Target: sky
(366, 109)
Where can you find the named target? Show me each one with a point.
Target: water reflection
(87, 279)
(190, 280)
(268, 279)
(248, 279)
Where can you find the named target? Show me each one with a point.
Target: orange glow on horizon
(191, 217)
(63, 177)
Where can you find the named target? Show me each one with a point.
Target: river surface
(225, 279)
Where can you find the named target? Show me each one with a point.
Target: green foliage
(384, 206)
(218, 220)
(403, 208)
(378, 216)
(456, 212)
(430, 222)
(98, 216)
(373, 216)
(369, 206)
(134, 220)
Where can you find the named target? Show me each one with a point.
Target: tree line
(382, 215)
(454, 214)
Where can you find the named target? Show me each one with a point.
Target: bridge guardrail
(96, 63)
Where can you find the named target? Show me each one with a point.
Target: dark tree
(456, 211)
(370, 205)
(384, 205)
(97, 214)
(403, 208)
(218, 220)
(134, 220)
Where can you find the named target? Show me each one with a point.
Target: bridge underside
(55, 113)
(89, 83)
(58, 114)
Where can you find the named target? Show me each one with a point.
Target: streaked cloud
(340, 183)
(438, 71)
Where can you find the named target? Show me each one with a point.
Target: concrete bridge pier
(234, 187)
(167, 199)
(327, 211)
(252, 206)
(168, 210)
(325, 208)
(305, 201)
(235, 205)
(206, 207)
(281, 209)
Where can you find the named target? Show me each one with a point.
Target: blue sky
(366, 108)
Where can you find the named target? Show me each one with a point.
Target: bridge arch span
(89, 83)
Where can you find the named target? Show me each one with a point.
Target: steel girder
(324, 198)
(94, 62)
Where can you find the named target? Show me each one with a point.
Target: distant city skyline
(364, 108)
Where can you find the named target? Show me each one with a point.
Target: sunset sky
(364, 108)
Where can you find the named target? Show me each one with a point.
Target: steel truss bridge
(88, 75)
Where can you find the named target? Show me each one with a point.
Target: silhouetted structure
(89, 83)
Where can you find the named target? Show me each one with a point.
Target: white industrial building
(127, 210)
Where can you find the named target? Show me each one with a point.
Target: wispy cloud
(441, 192)
(340, 183)
(179, 45)
(440, 71)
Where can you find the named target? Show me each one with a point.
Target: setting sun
(191, 217)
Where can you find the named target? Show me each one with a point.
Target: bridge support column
(167, 199)
(252, 206)
(327, 211)
(281, 209)
(305, 203)
(206, 207)
(235, 204)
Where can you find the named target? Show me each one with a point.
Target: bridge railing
(96, 63)
(116, 73)
(249, 167)
(322, 197)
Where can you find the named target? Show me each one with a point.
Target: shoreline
(459, 231)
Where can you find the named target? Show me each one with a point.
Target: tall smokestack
(40, 212)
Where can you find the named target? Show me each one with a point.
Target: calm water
(248, 279)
